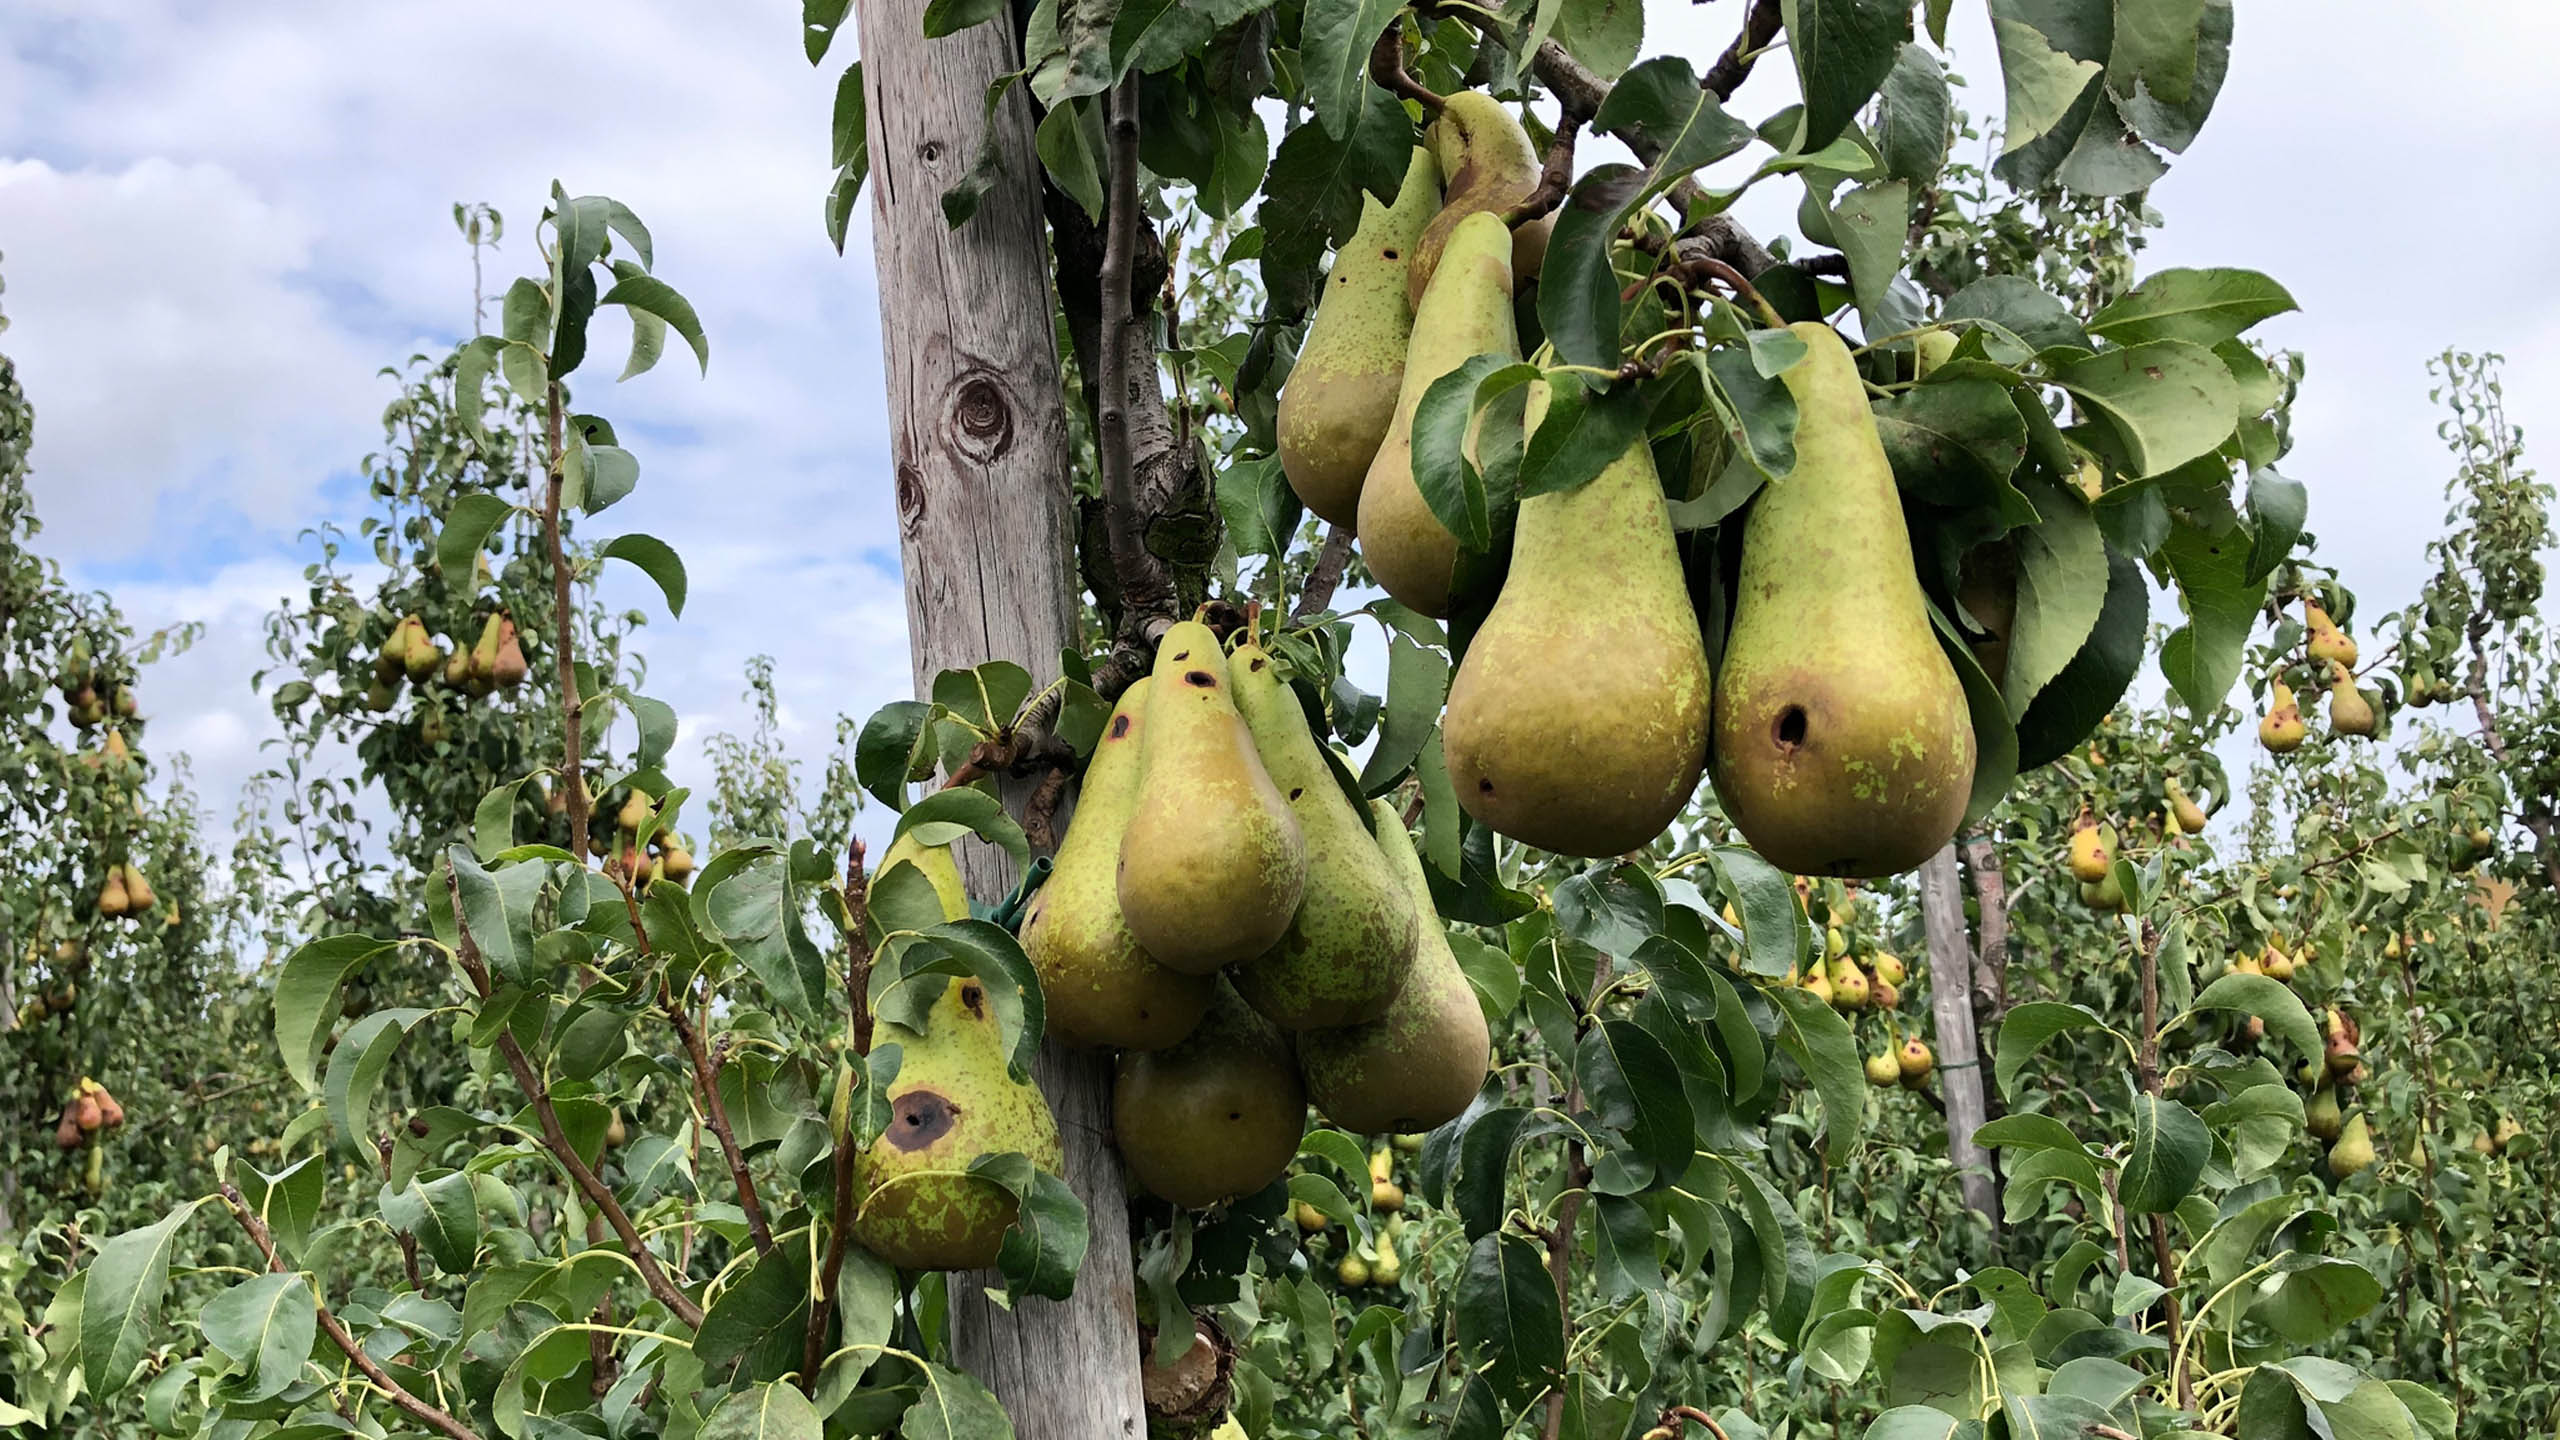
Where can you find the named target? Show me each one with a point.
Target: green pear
(2349, 712)
(1103, 989)
(1348, 949)
(1341, 395)
(917, 1206)
(1215, 1117)
(936, 863)
(1490, 164)
(2354, 1151)
(508, 667)
(1843, 745)
(484, 656)
(1420, 1064)
(1465, 313)
(1600, 763)
(1212, 864)
(420, 655)
(2321, 1116)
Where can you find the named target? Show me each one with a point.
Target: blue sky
(218, 222)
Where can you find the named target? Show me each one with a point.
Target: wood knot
(981, 418)
(910, 496)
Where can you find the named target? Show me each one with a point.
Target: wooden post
(979, 437)
(1959, 1050)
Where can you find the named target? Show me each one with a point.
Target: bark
(979, 437)
(1959, 1051)
(1991, 951)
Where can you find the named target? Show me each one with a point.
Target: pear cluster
(663, 856)
(495, 661)
(89, 1110)
(2329, 658)
(1581, 715)
(89, 696)
(1228, 914)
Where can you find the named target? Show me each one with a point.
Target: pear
(380, 697)
(1529, 246)
(1884, 1070)
(1352, 1271)
(2091, 857)
(1213, 862)
(2349, 712)
(1849, 989)
(917, 1206)
(1887, 968)
(1341, 395)
(2321, 1116)
(2354, 1151)
(1103, 989)
(1421, 1064)
(1843, 744)
(1603, 764)
(457, 668)
(112, 897)
(2507, 1133)
(2107, 894)
(2191, 816)
(392, 660)
(1884, 995)
(508, 668)
(1915, 1060)
(1491, 166)
(1388, 1268)
(1346, 953)
(484, 655)
(1465, 313)
(137, 891)
(420, 656)
(934, 860)
(678, 863)
(1215, 1117)
(1819, 986)
(2282, 731)
(635, 812)
(2328, 643)
(86, 1113)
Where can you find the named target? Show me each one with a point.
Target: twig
(1581, 90)
(564, 655)
(1146, 591)
(1325, 578)
(857, 989)
(1386, 66)
(556, 1139)
(399, 1395)
(408, 1241)
(1734, 65)
(1691, 1412)
(2147, 1070)
(1555, 178)
(706, 1081)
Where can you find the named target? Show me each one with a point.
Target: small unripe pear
(2321, 1115)
(1883, 1069)
(2191, 816)
(508, 666)
(1408, 1144)
(112, 898)
(1353, 1272)
(1884, 997)
(635, 813)
(2328, 642)
(1849, 989)
(1309, 1218)
(1819, 987)
(2354, 1151)
(1389, 1267)
(1386, 1196)
(2349, 712)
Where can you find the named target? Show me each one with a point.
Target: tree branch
(563, 654)
(1386, 66)
(1733, 67)
(706, 1082)
(1581, 90)
(1325, 578)
(415, 1408)
(556, 1139)
(2147, 1071)
(1555, 178)
(1991, 956)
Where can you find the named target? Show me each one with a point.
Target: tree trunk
(1959, 1052)
(982, 469)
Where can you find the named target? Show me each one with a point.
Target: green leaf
(1823, 1044)
(1045, 1246)
(2170, 1146)
(891, 751)
(657, 560)
(2316, 1297)
(1579, 435)
(1603, 34)
(2062, 588)
(653, 296)
(467, 527)
(2270, 1000)
(1843, 49)
(1955, 443)
(1152, 35)
(121, 1301)
(307, 994)
(953, 1407)
(445, 1216)
(1634, 1087)
(493, 821)
(765, 1312)
(950, 17)
(265, 1325)
(2043, 84)
(2070, 706)
(761, 913)
(287, 1201)
(945, 815)
(1444, 421)
(902, 993)
(1335, 39)
(2023, 308)
(762, 1412)
(1869, 224)
(2259, 1123)
(1255, 500)
(1752, 399)
(485, 912)
(1922, 1422)
(2169, 401)
(1417, 683)
(2277, 508)
(1913, 128)
(1995, 739)
(1614, 910)
(2029, 1027)
(1510, 1325)
(1312, 193)
(1773, 930)
(357, 1065)
(2202, 658)
(2202, 307)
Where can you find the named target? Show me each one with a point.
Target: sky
(217, 224)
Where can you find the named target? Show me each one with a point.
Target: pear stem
(1386, 66)
(1555, 178)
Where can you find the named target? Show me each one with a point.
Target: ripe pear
(1883, 1069)
(457, 668)
(936, 863)
(2328, 642)
(1601, 764)
(1308, 1218)
(1466, 312)
(918, 1207)
(1887, 968)
(635, 812)
(380, 697)
(2506, 1134)
(2349, 712)
(1103, 989)
(1849, 989)
(2091, 856)
(420, 656)
(2282, 731)
(1213, 862)
(1843, 743)
(1215, 1117)
(508, 667)
(1491, 166)
(1417, 1067)
(1915, 1060)
(86, 1114)
(1352, 1271)
(112, 898)
(678, 863)
(137, 891)
(484, 655)
(2191, 816)
(2321, 1115)
(1819, 986)
(1884, 996)
(1344, 958)
(2107, 894)
(2354, 1151)
(1341, 395)
(1388, 1268)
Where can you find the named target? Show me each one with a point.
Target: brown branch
(1555, 178)
(1734, 65)
(1991, 959)
(417, 1409)
(857, 992)
(408, 1241)
(556, 1139)
(564, 654)
(1386, 66)
(1691, 1412)
(1325, 578)
(2147, 1071)
(1579, 89)
(706, 1086)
